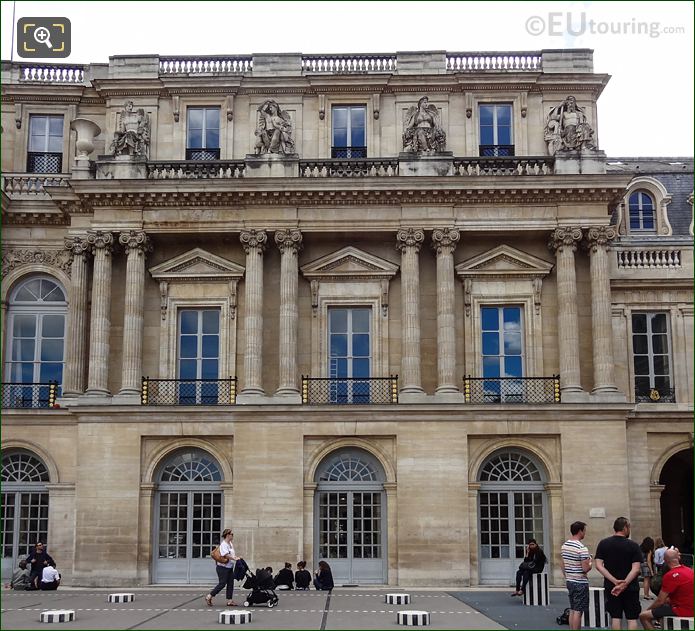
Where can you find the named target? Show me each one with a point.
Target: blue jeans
(225, 576)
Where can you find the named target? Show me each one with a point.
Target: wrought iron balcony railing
(44, 162)
(29, 395)
(496, 150)
(348, 152)
(349, 391)
(655, 395)
(512, 390)
(188, 391)
(203, 154)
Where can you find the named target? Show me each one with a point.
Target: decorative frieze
(19, 257)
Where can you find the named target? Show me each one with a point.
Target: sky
(647, 47)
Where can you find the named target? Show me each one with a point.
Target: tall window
(502, 352)
(349, 136)
(203, 133)
(350, 352)
(45, 144)
(198, 356)
(641, 207)
(496, 130)
(650, 346)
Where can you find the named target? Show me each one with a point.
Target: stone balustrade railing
(51, 73)
(31, 184)
(648, 259)
(357, 167)
(221, 64)
(197, 170)
(495, 61)
(542, 165)
(345, 63)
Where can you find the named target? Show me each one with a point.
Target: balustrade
(648, 259)
(346, 63)
(51, 73)
(23, 184)
(494, 62)
(190, 169)
(202, 65)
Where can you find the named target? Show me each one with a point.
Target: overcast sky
(646, 110)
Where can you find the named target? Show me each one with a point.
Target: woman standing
(647, 565)
(533, 563)
(324, 577)
(225, 570)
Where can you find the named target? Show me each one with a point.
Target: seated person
(285, 578)
(37, 560)
(302, 576)
(676, 595)
(324, 577)
(21, 577)
(50, 579)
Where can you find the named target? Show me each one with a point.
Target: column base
(448, 396)
(95, 398)
(127, 397)
(573, 395)
(412, 395)
(250, 396)
(612, 395)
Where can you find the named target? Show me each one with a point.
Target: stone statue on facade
(133, 134)
(567, 128)
(273, 130)
(422, 128)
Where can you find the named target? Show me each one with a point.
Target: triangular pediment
(197, 265)
(349, 262)
(504, 260)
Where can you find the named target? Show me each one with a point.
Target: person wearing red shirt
(676, 595)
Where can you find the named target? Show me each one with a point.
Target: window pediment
(199, 266)
(349, 263)
(504, 261)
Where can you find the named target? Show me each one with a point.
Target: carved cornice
(565, 237)
(289, 240)
(409, 238)
(78, 245)
(135, 241)
(253, 240)
(14, 258)
(445, 240)
(599, 237)
(99, 240)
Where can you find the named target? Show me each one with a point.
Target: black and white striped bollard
(121, 598)
(397, 599)
(57, 615)
(234, 617)
(413, 618)
(537, 592)
(672, 622)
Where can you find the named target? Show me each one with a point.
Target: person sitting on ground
(533, 563)
(324, 577)
(285, 578)
(21, 577)
(302, 577)
(50, 579)
(676, 595)
(37, 560)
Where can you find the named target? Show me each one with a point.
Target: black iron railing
(505, 390)
(188, 391)
(348, 152)
(44, 162)
(496, 150)
(202, 154)
(655, 395)
(29, 395)
(349, 391)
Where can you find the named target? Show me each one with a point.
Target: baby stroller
(262, 589)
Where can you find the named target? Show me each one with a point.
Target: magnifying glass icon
(43, 36)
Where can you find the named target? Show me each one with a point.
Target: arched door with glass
(350, 517)
(24, 501)
(188, 515)
(512, 508)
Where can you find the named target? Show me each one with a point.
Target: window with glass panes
(641, 207)
(45, 153)
(203, 133)
(651, 356)
(349, 131)
(496, 130)
(501, 351)
(350, 350)
(198, 355)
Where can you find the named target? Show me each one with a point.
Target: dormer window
(642, 212)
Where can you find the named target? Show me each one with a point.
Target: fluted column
(136, 244)
(254, 243)
(563, 241)
(100, 325)
(289, 243)
(409, 242)
(75, 350)
(597, 240)
(444, 242)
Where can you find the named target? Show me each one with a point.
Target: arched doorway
(512, 508)
(677, 501)
(350, 517)
(188, 516)
(24, 502)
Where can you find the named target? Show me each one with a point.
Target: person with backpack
(224, 557)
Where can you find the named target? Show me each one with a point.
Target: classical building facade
(399, 312)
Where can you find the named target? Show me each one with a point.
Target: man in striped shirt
(576, 563)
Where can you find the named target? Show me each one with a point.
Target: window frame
(349, 147)
(199, 358)
(641, 212)
(204, 129)
(495, 130)
(500, 337)
(650, 354)
(32, 120)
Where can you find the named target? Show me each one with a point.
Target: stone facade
(258, 246)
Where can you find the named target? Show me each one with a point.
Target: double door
(24, 522)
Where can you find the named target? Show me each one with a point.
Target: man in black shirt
(618, 559)
(38, 559)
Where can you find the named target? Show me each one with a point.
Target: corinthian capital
(77, 245)
(599, 237)
(410, 238)
(253, 240)
(289, 240)
(445, 239)
(99, 240)
(135, 240)
(565, 237)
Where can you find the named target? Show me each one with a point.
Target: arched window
(642, 212)
(36, 339)
(510, 467)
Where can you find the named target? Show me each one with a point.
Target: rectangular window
(350, 354)
(45, 153)
(651, 357)
(203, 133)
(349, 131)
(198, 356)
(502, 353)
(496, 137)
